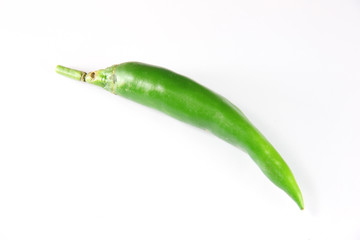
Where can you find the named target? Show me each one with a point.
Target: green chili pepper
(188, 101)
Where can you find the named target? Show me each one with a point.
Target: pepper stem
(71, 73)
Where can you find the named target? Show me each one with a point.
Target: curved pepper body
(190, 102)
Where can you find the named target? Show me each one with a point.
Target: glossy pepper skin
(190, 102)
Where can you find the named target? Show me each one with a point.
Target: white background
(77, 162)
